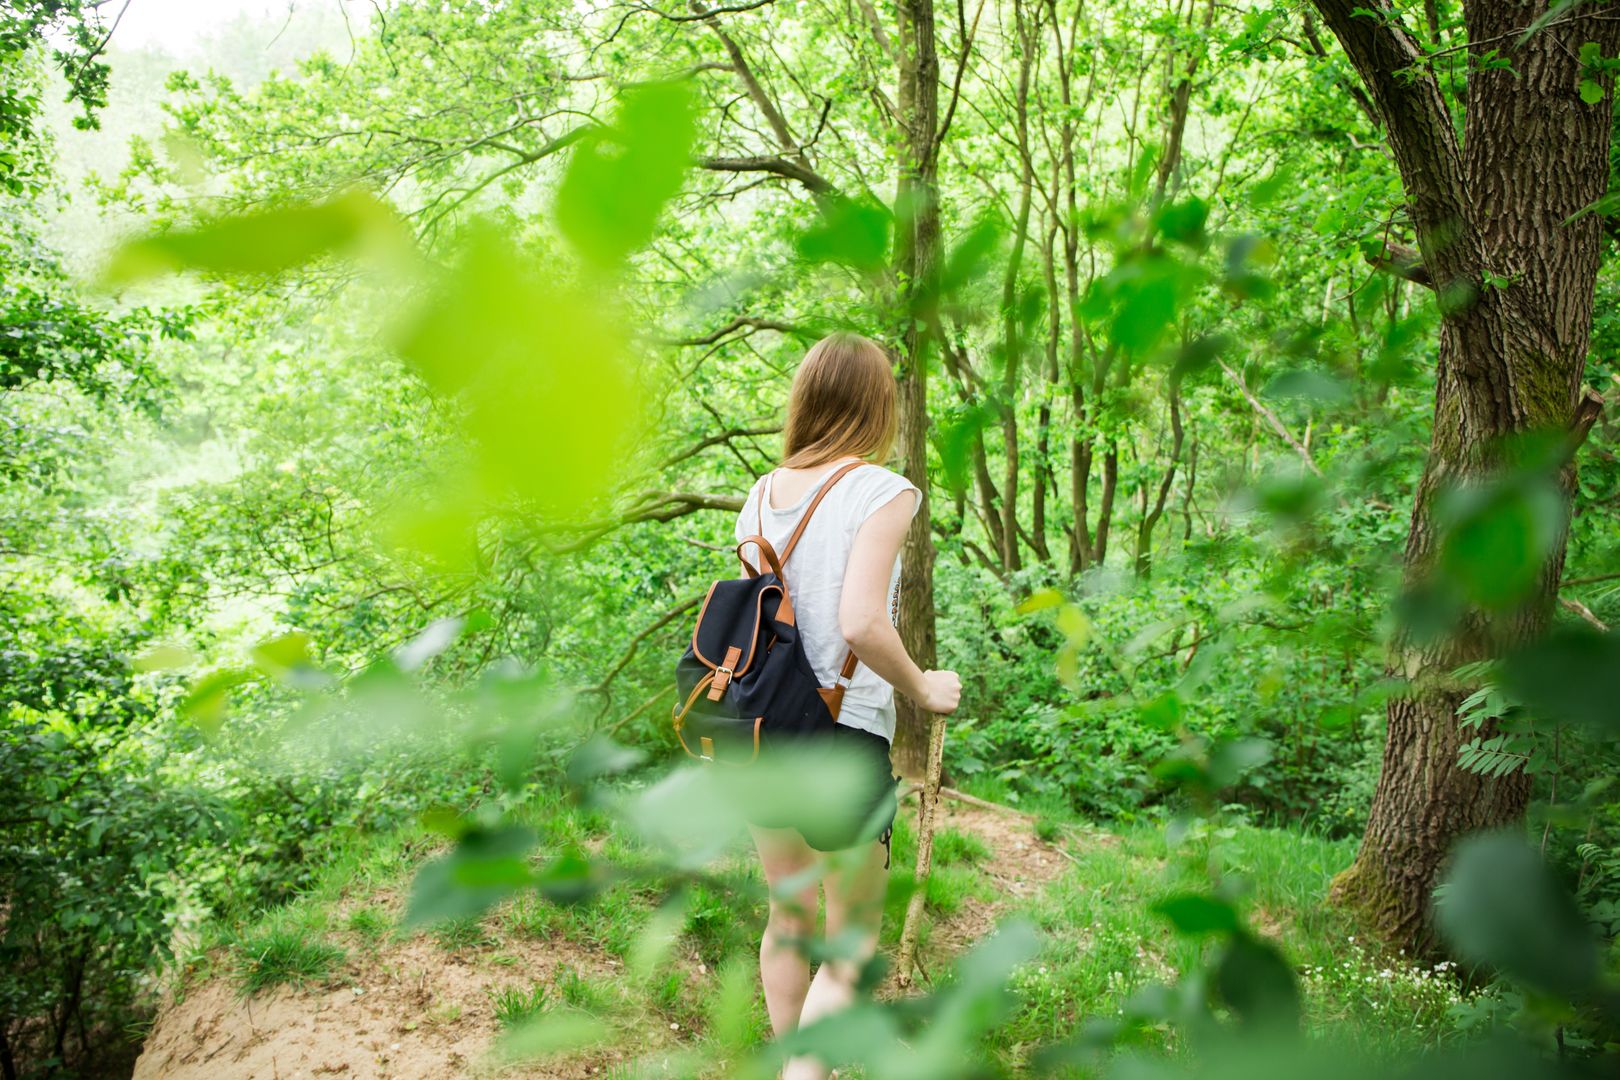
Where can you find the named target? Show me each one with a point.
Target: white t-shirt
(815, 576)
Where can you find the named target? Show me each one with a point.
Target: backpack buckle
(723, 673)
(722, 678)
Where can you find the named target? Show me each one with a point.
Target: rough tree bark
(916, 263)
(1515, 276)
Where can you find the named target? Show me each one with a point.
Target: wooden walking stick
(927, 805)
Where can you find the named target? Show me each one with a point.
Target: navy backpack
(745, 684)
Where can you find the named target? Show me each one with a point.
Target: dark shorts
(866, 815)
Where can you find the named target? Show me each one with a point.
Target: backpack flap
(735, 626)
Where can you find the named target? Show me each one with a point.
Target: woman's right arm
(863, 610)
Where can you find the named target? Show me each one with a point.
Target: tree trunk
(1515, 277)
(917, 265)
(1152, 513)
(1012, 338)
(1043, 420)
(1105, 506)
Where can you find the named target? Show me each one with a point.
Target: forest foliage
(371, 478)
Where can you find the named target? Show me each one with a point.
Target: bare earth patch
(406, 1009)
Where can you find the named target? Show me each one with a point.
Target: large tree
(1496, 211)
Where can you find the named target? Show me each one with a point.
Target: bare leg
(784, 970)
(855, 888)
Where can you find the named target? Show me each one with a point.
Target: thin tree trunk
(1043, 423)
(1080, 454)
(1012, 328)
(917, 263)
(1152, 514)
(1105, 506)
(8, 1062)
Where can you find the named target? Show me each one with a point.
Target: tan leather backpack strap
(768, 558)
(787, 549)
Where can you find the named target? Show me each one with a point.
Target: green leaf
(486, 866)
(1266, 190)
(266, 242)
(1163, 713)
(1591, 91)
(1195, 914)
(540, 369)
(1308, 385)
(278, 656)
(205, 703)
(1258, 985)
(851, 232)
(1503, 907)
(163, 658)
(955, 442)
(1039, 600)
(600, 756)
(1571, 675)
(620, 176)
(1231, 759)
(970, 258)
(1148, 308)
(1497, 539)
(556, 1031)
(1182, 222)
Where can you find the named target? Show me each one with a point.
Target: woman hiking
(844, 585)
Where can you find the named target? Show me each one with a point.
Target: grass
(581, 992)
(1104, 942)
(370, 923)
(283, 955)
(952, 846)
(514, 1005)
(460, 935)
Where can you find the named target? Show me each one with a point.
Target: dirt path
(1020, 865)
(405, 1009)
(410, 1009)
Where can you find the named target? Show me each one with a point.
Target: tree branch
(654, 506)
(778, 166)
(635, 643)
(724, 436)
(1276, 424)
(1584, 612)
(738, 323)
(1401, 261)
(1595, 579)
(1414, 113)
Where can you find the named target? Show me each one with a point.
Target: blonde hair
(842, 403)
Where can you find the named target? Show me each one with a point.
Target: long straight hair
(842, 404)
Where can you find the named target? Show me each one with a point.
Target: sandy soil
(413, 1010)
(409, 1009)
